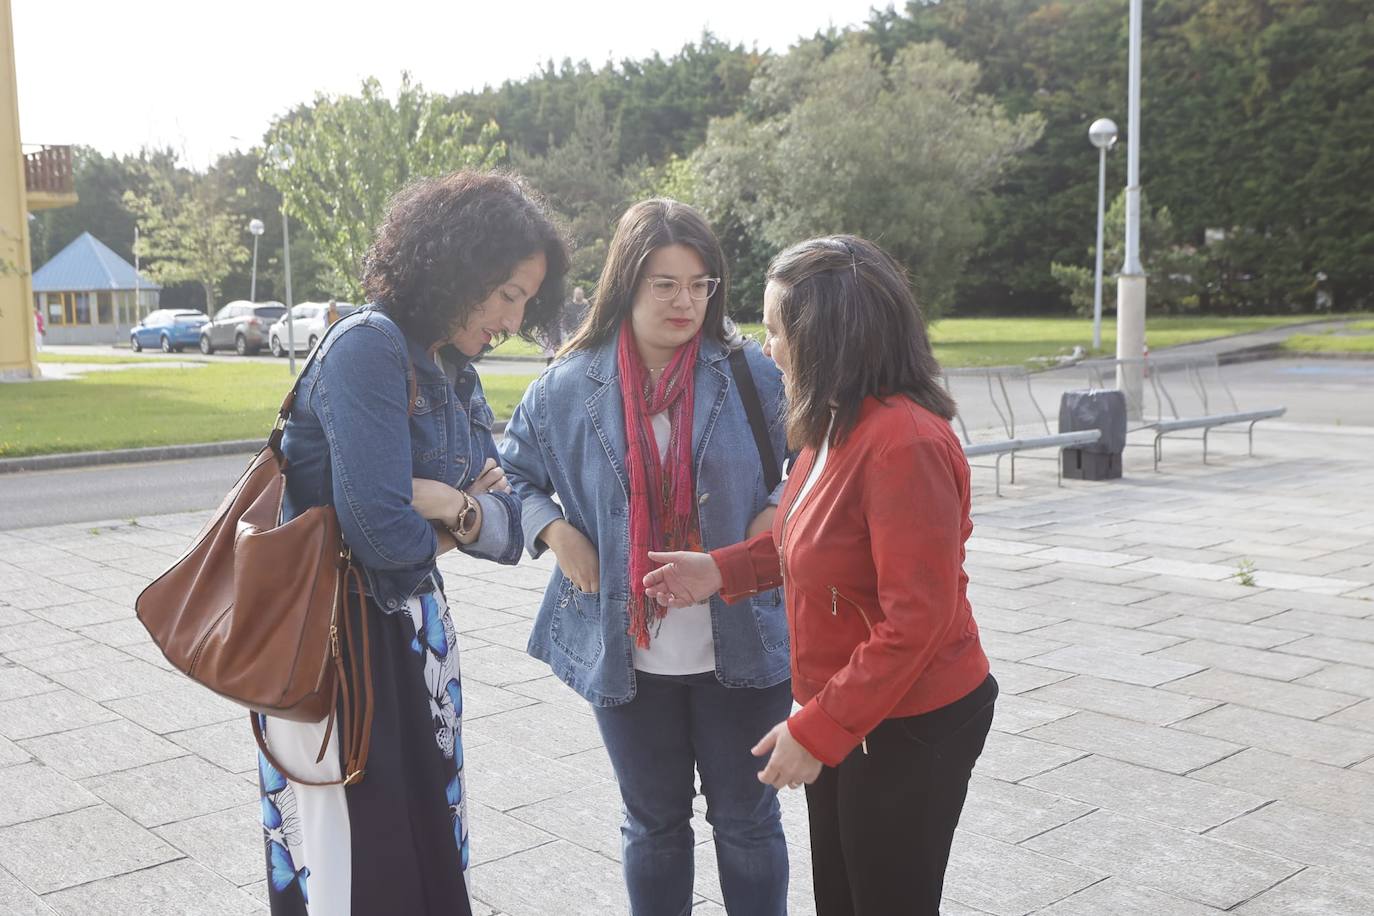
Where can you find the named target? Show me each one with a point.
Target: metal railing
(1003, 384)
(1189, 392)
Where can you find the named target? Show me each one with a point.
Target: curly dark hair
(446, 243)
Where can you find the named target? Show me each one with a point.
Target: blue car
(168, 329)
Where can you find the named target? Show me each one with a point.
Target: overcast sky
(208, 76)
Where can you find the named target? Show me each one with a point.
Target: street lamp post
(1130, 283)
(255, 227)
(1102, 133)
(282, 156)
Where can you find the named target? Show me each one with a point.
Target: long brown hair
(853, 330)
(645, 227)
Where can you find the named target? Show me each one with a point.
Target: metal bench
(1186, 393)
(1003, 386)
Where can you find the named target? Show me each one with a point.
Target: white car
(310, 319)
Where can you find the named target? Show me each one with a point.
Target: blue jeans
(672, 724)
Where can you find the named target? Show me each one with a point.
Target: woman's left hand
(435, 500)
(492, 479)
(790, 764)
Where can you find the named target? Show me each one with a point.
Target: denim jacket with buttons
(567, 440)
(359, 432)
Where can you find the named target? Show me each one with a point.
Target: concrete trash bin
(1104, 410)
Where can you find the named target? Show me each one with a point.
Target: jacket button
(419, 402)
(391, 603)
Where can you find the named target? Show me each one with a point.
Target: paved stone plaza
(1168, 741)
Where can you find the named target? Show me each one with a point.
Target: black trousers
(882, 822)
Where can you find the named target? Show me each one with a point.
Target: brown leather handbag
(261, 612)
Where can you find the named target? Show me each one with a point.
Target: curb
(1328, 354)
(138, 455)
(1316, 322)
(1277, 351)
(128, 455)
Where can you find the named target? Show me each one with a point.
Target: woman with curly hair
(390, 427)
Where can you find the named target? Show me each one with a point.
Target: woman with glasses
(638, 439)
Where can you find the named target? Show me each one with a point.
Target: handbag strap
(753, 409)
(284, 413)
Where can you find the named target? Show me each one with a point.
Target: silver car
(309, 322)
(242, 325)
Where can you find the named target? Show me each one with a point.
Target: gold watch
(466, 520)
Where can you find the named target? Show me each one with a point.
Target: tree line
(954, 132)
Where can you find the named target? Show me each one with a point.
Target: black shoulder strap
(753, 409)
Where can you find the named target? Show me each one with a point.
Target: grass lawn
(1016, 341)
(1356, 337)
(95, 360)
(226, 400)
(517, 347)
(144, 407)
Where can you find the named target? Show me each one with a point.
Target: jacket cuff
(498, 539)
(391, 589)
(827, 740)
(536, 512)
(748, 567)
(736, 572)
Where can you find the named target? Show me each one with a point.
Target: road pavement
(1320, 392)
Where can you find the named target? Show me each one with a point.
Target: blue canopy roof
(87, 264)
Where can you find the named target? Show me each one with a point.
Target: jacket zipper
(835, 597)
(792, 510)
(834, 607)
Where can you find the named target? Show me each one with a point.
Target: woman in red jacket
(896, 698)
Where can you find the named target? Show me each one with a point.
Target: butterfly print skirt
(397, 841)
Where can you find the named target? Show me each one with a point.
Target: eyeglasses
(666, 290)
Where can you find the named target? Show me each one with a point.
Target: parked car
(242, 325)
(309, 320)
(170, 329)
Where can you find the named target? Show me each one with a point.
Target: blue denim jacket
(352, 443)
(567, 438)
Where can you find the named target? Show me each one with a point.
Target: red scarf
(662, 494)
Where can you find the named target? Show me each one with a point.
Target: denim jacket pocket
(429, 438)
(482, 414)
(429, 397)
(481, 445)
(771, 618)
(576, 624)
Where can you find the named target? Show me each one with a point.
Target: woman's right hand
(684, 579)
(576, 555)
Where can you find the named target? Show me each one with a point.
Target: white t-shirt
(683, 643)
(814, 475)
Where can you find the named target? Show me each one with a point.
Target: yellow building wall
(18, 358)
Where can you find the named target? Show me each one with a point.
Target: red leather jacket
(872, 560)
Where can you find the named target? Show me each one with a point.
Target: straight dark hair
(853, 331)
(642, 229)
